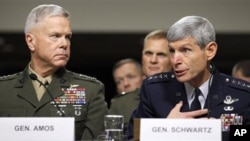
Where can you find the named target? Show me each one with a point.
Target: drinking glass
(104, 138)
(114, 125)
(120, 138)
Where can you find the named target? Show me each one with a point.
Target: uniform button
(172, 76)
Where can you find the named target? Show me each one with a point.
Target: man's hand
(175, 112)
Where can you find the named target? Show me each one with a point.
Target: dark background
(94, 54)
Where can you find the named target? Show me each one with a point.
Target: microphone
(212, 68)
(34, 77)
(212, 71)
(208, 95)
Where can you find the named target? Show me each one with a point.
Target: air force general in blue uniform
(192, 47)
(227, 99)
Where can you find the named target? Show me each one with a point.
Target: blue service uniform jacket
(161, 92)
(88, 107)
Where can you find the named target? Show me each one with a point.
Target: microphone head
(33, 76)
(212, 68)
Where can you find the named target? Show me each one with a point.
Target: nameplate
(180, 130)
(37, 129)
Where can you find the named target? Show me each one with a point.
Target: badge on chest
(74, 96)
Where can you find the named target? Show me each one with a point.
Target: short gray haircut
(243, 66)
(126, 61)
(38, 13)
(196, 27)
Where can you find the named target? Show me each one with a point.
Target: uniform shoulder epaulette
(237, 83)
(166, 76)
(10, 76)
(84, 77)
(136, 91)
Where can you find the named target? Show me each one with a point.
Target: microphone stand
(34, 77)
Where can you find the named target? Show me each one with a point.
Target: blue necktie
(196, 105)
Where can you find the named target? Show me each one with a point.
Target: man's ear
(211, 50)
(30, 40)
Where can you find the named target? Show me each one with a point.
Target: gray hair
(126, 61)
(38, 13)
(195, 27)
(243, 66)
